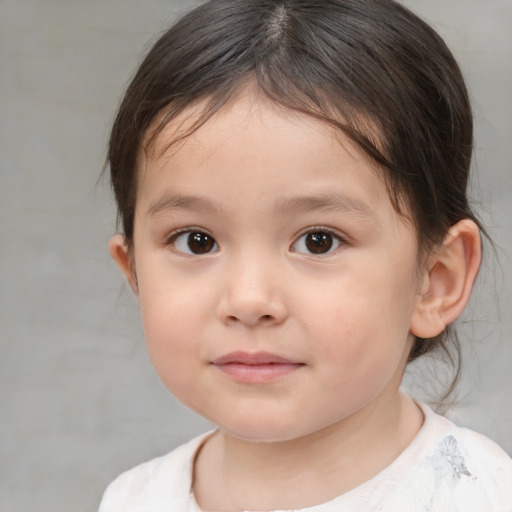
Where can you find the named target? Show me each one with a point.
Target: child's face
(264, 240)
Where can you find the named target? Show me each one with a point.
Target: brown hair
(352, 63)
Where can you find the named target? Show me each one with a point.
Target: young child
(291, 179)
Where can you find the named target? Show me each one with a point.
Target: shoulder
(458, 470)
(485, 457)
(155, 484)
(489, 462)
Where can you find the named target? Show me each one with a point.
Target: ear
(122, 254)
(447, 280)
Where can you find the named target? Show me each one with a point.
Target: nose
(252, 294)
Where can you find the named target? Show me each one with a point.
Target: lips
(256, 367)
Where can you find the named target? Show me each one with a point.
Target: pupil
(319, 243)
(199, 243)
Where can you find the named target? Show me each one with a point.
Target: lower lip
(258, 373)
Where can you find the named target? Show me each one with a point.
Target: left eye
(194, 242)
(317, 242)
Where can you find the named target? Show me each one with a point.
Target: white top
(444, 469)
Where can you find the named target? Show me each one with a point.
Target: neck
(266, 476)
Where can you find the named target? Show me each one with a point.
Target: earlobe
(448, 280)
(123, 256)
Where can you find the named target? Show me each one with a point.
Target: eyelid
(188, 229)
(324, 229)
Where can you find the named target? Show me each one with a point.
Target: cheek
(172, 317)
(362, 322)
(167, 298)
(172, 344)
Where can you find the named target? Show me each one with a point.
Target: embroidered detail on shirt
(449, 450)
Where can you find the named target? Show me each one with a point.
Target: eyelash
(339, 240)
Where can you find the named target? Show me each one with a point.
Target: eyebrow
(337, 203)
(180, 202)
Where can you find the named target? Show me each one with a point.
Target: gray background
(79, 401)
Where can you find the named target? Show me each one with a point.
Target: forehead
(167, 132)
(253, 144)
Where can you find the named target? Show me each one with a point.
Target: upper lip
(252, 358)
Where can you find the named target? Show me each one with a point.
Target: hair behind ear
(450, 272)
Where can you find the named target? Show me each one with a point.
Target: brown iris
(319, 242)
(200, 243)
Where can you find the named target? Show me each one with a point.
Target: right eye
(318, 242)
(194, 242)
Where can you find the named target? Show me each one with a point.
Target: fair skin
(280, 294)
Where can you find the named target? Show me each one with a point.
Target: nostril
(263, 319)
